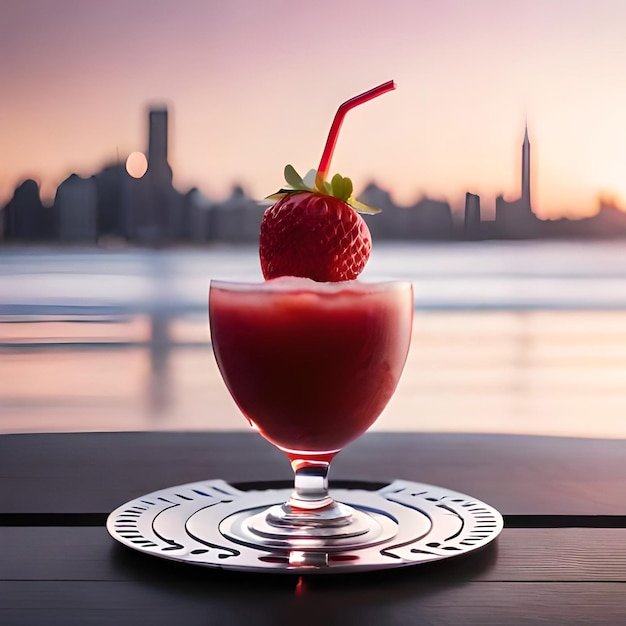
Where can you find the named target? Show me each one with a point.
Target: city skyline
(154, 150)
(254, 85)
(136, 202)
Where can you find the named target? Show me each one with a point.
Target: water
(484, 275)
(525, 337)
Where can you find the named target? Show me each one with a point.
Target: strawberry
(315, 236)
(314, 230)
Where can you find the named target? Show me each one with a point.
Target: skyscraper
(471, 228)
(526, 169)
(157, 142)
(516, 219)
(158, 216)
(76, 203)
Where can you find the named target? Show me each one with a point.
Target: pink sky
(253, 85)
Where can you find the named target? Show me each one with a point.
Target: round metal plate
(201, 523)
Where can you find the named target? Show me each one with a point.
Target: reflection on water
(509, 337)
(545, 372)
(159, 386)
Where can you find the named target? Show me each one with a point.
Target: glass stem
(310, 484)
(310, 505)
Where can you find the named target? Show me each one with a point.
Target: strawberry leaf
(293, 178)
(340, 187)
(280, 194)
(348, 187)
(337, 188)
(309, 179)
(295, 182)
(359, 206)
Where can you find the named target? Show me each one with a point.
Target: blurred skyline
(254, 85)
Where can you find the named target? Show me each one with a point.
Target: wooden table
(561, 558)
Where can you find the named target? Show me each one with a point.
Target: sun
(136, 164)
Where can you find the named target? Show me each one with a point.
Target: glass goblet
(311, 366)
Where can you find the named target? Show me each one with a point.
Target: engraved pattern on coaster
(203, 523)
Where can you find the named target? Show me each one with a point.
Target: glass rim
(291, 284)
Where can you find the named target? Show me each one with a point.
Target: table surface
(561, 557)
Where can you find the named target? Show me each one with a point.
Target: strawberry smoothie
(311, 365)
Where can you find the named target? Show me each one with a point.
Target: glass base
(358, 529)
(335, 521)
(333, 515)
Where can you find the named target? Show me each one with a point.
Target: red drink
(311, 365)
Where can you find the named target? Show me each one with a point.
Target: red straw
(329, 148)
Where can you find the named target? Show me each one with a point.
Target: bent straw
(329, 148)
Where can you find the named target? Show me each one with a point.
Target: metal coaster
(208, 524)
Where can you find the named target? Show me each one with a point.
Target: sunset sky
(254, 84)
